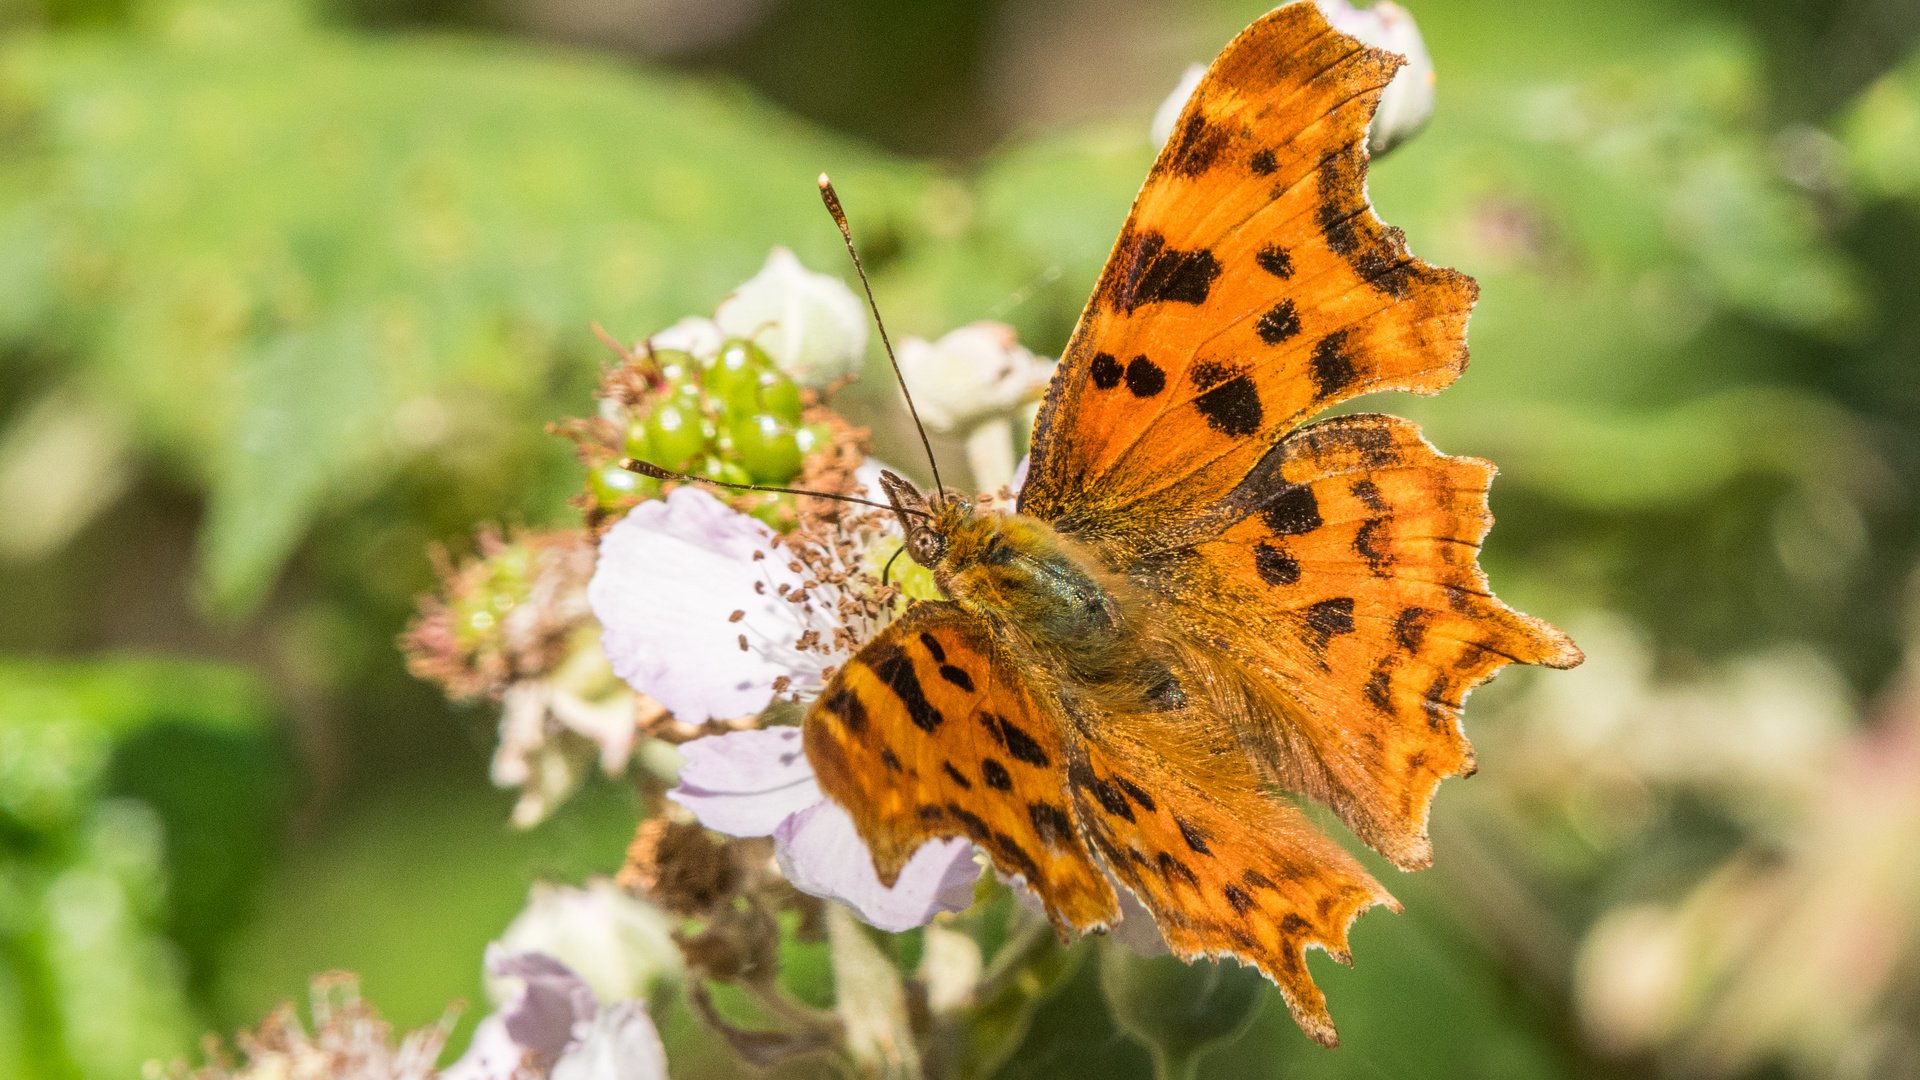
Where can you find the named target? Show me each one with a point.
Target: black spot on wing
(1274, 260)
(1333, 368)
(890, 759)
(1380, 685)
(1195, 839)
(1410, 628)
(1275, 565)
(845, 704)
(1232, 408)
(1292, 511)
(1144, 377)
(1015, 740)
(996, 775)
(1134, 792)
(1257, 880)
(1328, 618)
(1237, 897)
(1263, 163)
(933, 648)
(1368, 493)
(1108, 796)
(1105, 371)
(895, 669)
(1278, 324)
(1155, 273)
(1052, 823)
(1196, 146)
(957, 676)
(1368, 544)
(956, 776)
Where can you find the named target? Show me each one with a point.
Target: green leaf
(273, 255)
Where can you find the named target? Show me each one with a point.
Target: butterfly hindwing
(1353, 589)
(927, 733)
(1223, 867)
(1251, 287)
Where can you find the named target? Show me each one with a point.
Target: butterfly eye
(927, 546)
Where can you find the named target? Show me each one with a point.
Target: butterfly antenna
(832, 199)
(648, 468)
(887, 571)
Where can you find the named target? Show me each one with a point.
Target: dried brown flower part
(348, 1041)
(682, 867)
(507, 614)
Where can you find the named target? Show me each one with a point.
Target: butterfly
(1200, 596)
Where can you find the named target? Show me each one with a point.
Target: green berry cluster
(734, 417)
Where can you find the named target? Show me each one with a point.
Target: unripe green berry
(675, 366)
(780, 396)
(611, 485)
(676, 433)
(733, 379)
(766, 447)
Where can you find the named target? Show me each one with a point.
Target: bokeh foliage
(288, 291)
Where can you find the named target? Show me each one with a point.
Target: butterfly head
(927, 522)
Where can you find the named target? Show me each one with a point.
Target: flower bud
(812, 325)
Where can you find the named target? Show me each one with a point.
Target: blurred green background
(288, 291)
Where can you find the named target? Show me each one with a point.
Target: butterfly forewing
(927, 733)
(1251, 287)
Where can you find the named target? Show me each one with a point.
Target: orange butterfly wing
(1353, 591)
(928, 732)
(1251, 287)
(1225, 869)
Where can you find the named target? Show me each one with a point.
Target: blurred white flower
(971, 373)
(619, 945)
(551, 1028)
(693, 334)
(1408, 103)
(759, 783)
(975, 379)
(1168, 113)
(812, 325)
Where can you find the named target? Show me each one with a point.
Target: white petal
(745, 783)
(669, 576)
(620, 1044)
(614, 943)
(820, 853)
(812, 325)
